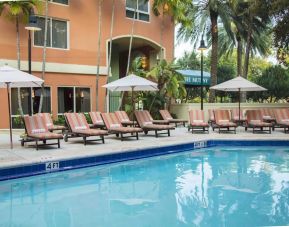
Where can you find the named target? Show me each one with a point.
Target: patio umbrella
(11, 77)
(132, 83)
(238, 84)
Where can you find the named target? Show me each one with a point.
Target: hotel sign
(193, 77)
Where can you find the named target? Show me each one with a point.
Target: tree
(98, 49)
(110, 39)
(44, 56)
(18, 11)
(279, 10)
(189, 61)
(205, 15)
(276, 80)
(170, 82)
(173, 8)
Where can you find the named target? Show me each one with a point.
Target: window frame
(74, 98)
(31, 99)
(138, 12)
(50, 27)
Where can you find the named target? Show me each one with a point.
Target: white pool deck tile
(74, 148)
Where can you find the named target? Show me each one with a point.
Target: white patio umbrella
(11, 77)
(132, 83)
(238, 84)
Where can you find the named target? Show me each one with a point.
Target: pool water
(218, 186)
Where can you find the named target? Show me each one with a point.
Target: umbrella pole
(239, 105)
(9, 112)
(132, 102)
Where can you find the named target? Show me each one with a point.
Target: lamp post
(202, 47)
(31, 26)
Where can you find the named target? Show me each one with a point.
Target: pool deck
(74, 148)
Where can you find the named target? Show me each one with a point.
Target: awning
(193, 77)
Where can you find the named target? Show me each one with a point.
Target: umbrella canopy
(132, 82)
(17, 78)
(11, 77)
(238, 84)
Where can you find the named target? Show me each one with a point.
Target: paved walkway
(74, 147)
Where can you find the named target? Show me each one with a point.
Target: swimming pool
(215, 186)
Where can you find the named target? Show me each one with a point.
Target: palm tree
(98, 49)
(110, 44)
(129, 48)
(256, 20)
(175, 9)
(44, 56)
(18, 11)
(204, 16)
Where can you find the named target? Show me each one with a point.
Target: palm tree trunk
(239, 55)
(44, 56)
(129, 54)
(247, 53)
(162, 37)
(18, 64)
(246, 60)
(98, 54)
(110, 50)
(214, 55)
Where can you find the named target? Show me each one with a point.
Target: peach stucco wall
(82, 16)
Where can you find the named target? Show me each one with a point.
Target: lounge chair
(212, 120)
(145, 121)
(36, 130)
(168, 117)
(223, 121)
(197, 121)
(114, 126)
(96, 119)
(255, 121)
(123, 118)
(78, 127)
(49, 123)
(282, 118)
(235, 116)
(268, 116)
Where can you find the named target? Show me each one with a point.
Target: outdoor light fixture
(202, 48)
(144, 62)
(31, 26)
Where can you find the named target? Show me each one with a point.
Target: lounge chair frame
(114, 118)
(197, 128)
(258, 128)
(28, 138)
(172, 120)
(157, 131)
(224, 126)
(70, 134)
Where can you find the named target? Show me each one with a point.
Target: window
(64, 2)
(46, 103)
(56, 34)
(73, 99)
(30, 100)
(141, 7)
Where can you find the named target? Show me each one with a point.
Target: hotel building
(72, 53)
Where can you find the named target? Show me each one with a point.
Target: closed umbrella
(11, 77)
(132, 83)
(238, 84)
